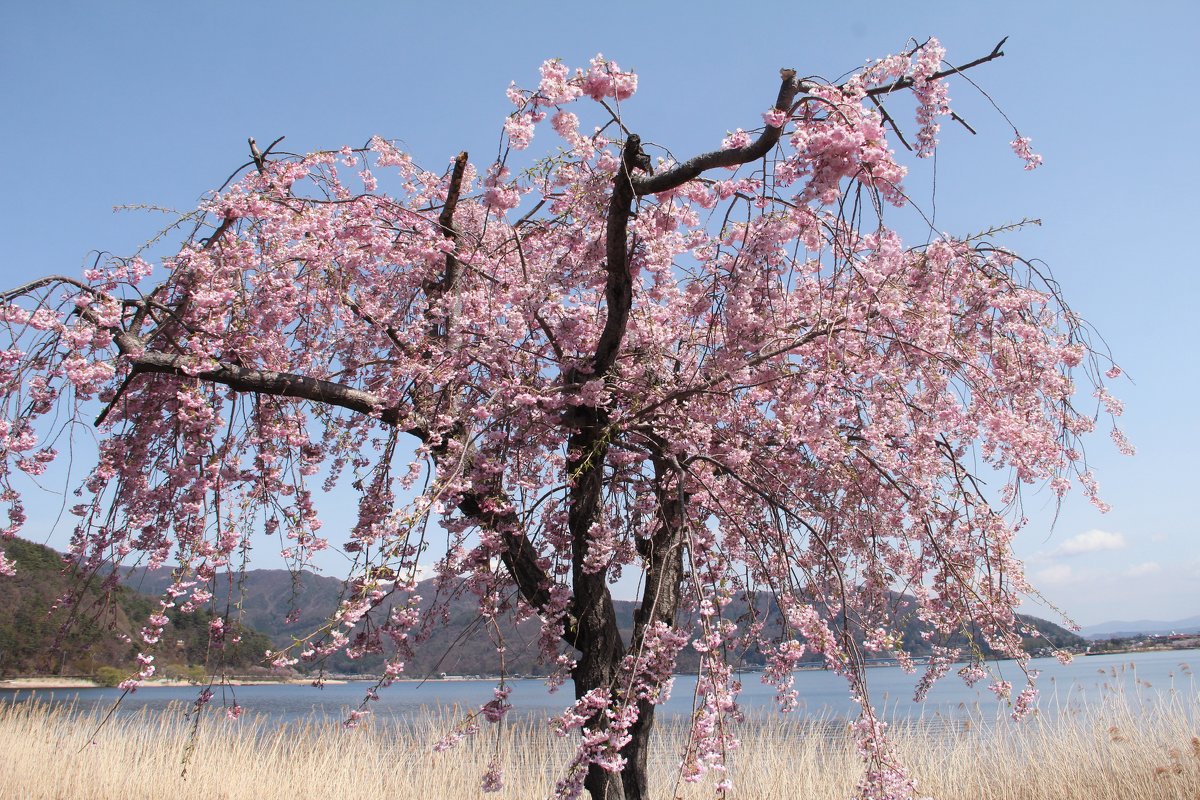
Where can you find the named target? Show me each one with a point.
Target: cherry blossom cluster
(932, 95)
(1021, 146)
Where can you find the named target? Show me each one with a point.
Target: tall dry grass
(1121, 749)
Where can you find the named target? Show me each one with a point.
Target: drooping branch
(520, 556)
(249, 379)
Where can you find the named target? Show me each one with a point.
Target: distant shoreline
(53, 682)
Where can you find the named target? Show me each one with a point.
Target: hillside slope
(100, 628)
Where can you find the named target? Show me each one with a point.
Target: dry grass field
(1117, 750)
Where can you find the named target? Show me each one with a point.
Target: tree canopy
(728, 374)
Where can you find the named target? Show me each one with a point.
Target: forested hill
(101, 629)
(457, 643)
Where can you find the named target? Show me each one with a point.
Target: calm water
(1142, 677)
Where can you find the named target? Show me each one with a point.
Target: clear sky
(117, 103)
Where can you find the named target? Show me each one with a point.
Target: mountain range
(1140, 627)
(285, 606)
(276, 608)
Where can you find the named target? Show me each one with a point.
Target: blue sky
(109, 104)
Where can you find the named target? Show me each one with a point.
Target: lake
(1140, 677)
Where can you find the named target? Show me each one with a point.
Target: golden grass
(1119, 750)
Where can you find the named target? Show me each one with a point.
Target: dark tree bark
(659, 603)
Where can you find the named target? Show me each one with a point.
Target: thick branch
(682, 173)
(446, 221)
(618, 291)
(693, 167)
(519, 555)
(280, 384)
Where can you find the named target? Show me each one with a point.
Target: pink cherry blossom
(775, 117)
(1021, 147)
(738, 138)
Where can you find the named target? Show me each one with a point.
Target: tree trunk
(595, 633)
(660, 603)
(635, 780)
